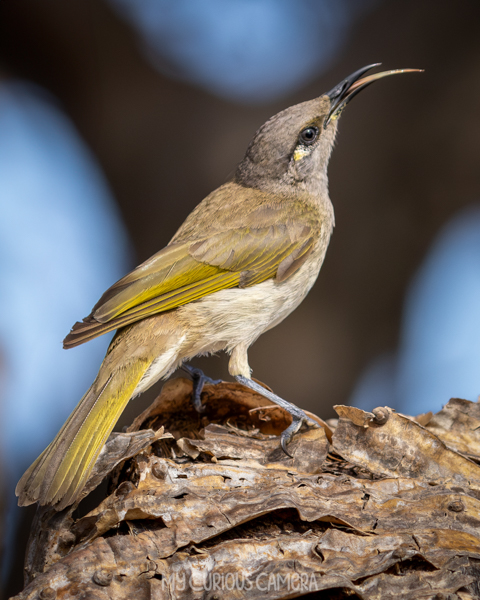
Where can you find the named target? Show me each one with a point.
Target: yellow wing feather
(90, 328)
(196, 265)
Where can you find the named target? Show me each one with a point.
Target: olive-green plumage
(240, 263)
(210, 254)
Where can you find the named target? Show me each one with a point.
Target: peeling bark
(375, 505)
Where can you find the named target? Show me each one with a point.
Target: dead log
(373, 506)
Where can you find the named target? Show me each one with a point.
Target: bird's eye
(308, 135)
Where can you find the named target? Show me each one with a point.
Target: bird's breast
(236, 316)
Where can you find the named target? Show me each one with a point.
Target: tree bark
(372, 505)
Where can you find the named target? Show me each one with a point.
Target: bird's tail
(59, 474)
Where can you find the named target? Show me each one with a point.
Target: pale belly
(230, 320)
(236, 316)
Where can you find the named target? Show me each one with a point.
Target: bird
(241, 262)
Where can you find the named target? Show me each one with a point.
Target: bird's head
(292, 149)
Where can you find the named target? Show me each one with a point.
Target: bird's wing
(187, 270)
(257, 254)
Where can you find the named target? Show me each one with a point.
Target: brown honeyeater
(241, 262)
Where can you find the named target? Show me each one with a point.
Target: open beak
(342, 93)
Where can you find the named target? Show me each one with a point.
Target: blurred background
(117, 117)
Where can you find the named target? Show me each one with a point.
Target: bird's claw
(284, 440)
(297, 414)
(298, 419)
(199, 380)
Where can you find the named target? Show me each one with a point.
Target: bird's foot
(297, 414)
(199, 380)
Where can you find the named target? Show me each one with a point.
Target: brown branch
(214, 509)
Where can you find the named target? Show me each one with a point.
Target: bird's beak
(342, 93)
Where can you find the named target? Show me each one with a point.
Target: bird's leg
(199, 380)
(297, 414)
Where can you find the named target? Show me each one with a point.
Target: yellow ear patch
(300, 152)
